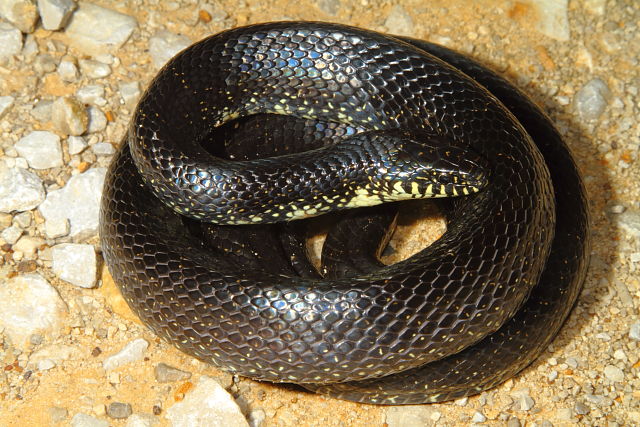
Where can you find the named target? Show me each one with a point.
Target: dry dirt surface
(554, 51)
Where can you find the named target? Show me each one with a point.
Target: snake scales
(462, 315)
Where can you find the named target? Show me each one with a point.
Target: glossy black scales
(289, 325)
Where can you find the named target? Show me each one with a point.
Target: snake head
(434, 166)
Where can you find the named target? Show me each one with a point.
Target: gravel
(55, 13)
(41, 149)
(10, 41)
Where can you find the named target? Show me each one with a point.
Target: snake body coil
(450, 321)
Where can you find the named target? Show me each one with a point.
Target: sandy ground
(502, 34)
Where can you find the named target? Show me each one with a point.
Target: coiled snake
(371, 111)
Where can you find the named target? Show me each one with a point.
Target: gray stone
(6, 102)
(30, 305)
(581, 409)
(84, 420)
(21, 13)
(399, 22)
(103, 149)
(613, 373)
(20, 190)
(130, 353)
(130, 93)
(553, 20)
(78, 201)
(11, 234)
(524, 402)
(119, 410)
(257, 417)
(94, 29)
(164, 45)
(55, 14)
(41, 149)
(92, 94)
(97, 120)
(207, 404)
(75, 263)
(591, 100)
(76, 144)
(45, 63)
(69, 116)
(10, 40)
(166, 374)
(634, 331)
(94, 69)
(513, 422)
(68, 71)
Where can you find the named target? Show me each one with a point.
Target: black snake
(464, 314)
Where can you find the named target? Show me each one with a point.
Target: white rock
(56, 228)
(208, 404)
(75, 263)
(41, 111)
(130, 93)
(103, 149)
(41, 149)
(11, 234)
(69, 116)
(613, 373)
(68, 71)
(591, 100)
(78, 201)
(28, 245)
(597, 7)
(130, 353)
(164, 45)
(94, 69)
(553, 18)
(76, 144)
(5, 103)
(84, 420)
(478, 417)
(92, 94)
(55, 14)
(94, 29)
(22, 220)
(30, 305)
(141, 420)
(21, 13)
(97, 120)
(10, 40)
(20, 190)
(629, 221)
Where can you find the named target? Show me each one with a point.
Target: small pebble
(11, 234)
(141, 420)
(76, 144)
(92, 94)
(55, 14)
(564, 414)
(75, 263)
(130, 93)
(478, 417)
(130, 353)
(21, 13)
(613, 373)
(103, 149)
(165, 373)
(119, 410)
(69, 116)
(97, 120)
(513, 422)
(41, 149)
(581, 408)
(55, 228)
(20, 189)
(41, 111)
(94, 69)
(57, 414)
(10, 41)
(591, 100)
(257, 417)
